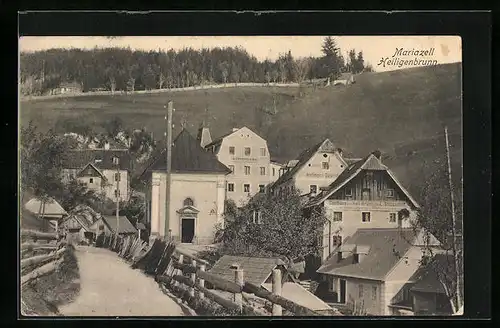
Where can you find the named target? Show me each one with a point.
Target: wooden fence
(172, 267)
(40, 254)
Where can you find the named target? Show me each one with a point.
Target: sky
(447, 49)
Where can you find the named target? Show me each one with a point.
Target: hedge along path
(110, 288)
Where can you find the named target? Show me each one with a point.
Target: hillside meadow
(402, 113)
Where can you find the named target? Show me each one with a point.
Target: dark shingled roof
(188, 157)
(387, 246)
(325, 145)
(427, 277)
(256, 269)
(371, 162)
(125, 225)
(78, 159)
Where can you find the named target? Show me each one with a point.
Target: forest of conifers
(116, 69)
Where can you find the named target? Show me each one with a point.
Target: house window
(188, 202)
(392, 217)
(261, 188)
(116, 160)
(262, 171)
(231, 150)
(365, 216)
(247, 170)
(369, 174)
(117, 193)
(274, 171)
(246, 187)
(348, 192)
(337, 216)
(91, 180)
(360, 286)
(101, 227)
(230, 187)
(117, 176)
(313, 189)
(374, 293)
(336, 240)
(325, 165)
(257, 217)
(231, 167)
(263, 152)
(389, 193)
(248, 151)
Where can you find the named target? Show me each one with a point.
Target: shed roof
(387, 247)
(188, 157)
(430, 278)
(256, 269)
(124, 224)
(52, 208)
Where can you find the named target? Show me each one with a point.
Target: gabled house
(365, 195)
(375, 268)
(246, 154)
(77, 228)
(106, 171)
(198, 192)
(315, 168)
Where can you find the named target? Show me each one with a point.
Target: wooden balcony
(381, 203)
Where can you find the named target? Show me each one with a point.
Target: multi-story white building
(246, 154)
(315, 168)
(105, 171)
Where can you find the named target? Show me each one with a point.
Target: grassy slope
(401, 113)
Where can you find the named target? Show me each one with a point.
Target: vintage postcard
(178, 176)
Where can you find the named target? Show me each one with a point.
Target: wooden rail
(187, 272)
(39, 265)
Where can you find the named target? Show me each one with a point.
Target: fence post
(277, 310)
(193, 279)
(238, 278)
(181, 261)
(201, 282)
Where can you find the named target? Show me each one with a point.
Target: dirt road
(109, 287)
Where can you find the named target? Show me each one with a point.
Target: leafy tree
(75, 193)
(134, 209)
(435, 218)
(359, 63)
(279, 229)
(41, 156)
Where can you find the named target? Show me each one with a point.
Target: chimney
(204, 137)
(361, 252)
(377, 154)
(106, 145)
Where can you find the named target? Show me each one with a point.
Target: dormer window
(116, 160)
